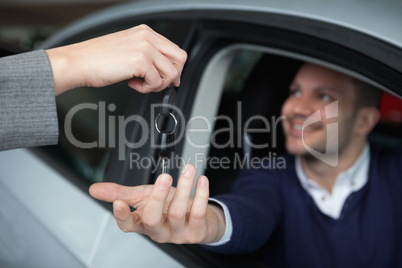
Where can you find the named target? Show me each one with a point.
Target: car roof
(379, 19)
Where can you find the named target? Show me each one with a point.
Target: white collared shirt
(331, 204)
(347, 182)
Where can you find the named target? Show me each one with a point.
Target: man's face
(312, 89)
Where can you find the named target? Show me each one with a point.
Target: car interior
(262, 93)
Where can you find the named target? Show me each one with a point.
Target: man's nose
(303, 106)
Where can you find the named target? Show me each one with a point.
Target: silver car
(241, 57)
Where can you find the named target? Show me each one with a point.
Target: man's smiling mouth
(296, 126)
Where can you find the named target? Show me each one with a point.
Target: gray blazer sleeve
(28, 114)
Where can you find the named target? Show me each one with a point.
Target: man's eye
(326, 97)
(295, 93)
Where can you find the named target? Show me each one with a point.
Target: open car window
(243, 119)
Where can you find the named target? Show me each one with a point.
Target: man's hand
(138, 52)
(164, 213)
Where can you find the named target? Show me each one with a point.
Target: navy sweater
(272, 212)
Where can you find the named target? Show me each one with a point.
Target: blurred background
(24, 24)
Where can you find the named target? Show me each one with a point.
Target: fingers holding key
(175, 54)
(138, 52)
(166, 61)
(157, 72)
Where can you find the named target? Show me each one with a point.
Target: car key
(167, 148)
(167, 136)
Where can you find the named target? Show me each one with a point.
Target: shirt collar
(356, 176)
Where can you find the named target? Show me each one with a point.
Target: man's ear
(367, 118)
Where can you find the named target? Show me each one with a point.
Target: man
(30, 81)
(338, 211)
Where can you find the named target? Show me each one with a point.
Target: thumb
(127, 221)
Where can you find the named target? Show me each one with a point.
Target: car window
(244, 106)
(253, 86)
